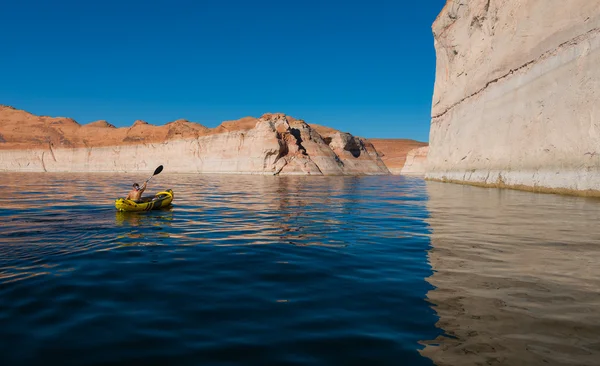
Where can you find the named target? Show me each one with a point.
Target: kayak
(160, 200)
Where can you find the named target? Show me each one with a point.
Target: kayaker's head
(136, 186)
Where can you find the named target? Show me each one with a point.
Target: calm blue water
(242, 270)
(259, 270)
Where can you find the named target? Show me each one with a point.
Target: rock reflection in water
(516, 277)
(296, 210)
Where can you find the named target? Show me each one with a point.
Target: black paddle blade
(158, 170)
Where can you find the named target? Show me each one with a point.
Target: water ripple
(516, 277)
(260, 270)
(252, 270)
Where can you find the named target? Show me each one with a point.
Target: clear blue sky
(365, 67)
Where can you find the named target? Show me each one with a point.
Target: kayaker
(136, 193)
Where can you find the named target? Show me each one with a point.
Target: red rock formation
(272, 144)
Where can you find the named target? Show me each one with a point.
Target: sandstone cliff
(416, 162)
(272, 144)
(515, 100)
(394, 152)
(357, 153)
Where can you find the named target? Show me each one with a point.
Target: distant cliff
(394, 152)
(272, 144)
(416, 162)
(516, 95)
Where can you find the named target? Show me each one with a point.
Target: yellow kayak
(160, 200)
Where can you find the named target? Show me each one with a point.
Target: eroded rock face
(393, 152)
(354, 153)
(516, 95)
(272, 144)
(416, 162)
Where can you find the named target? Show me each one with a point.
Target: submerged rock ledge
(572, 183)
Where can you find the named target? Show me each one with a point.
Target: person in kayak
(136, 193)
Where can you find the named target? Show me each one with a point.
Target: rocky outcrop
(273, 144)
(394, 152)
(516, 95)
(101, 124)
(355, 153)
(416, 162)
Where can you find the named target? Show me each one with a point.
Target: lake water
(259, 270)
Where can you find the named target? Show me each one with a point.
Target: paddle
(157, 171)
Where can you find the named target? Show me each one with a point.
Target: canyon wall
(516, 95)
(272, 144)
(416, 162)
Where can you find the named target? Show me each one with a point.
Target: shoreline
(208, 173)
(561, 191)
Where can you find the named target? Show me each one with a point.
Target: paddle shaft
(156, 171)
